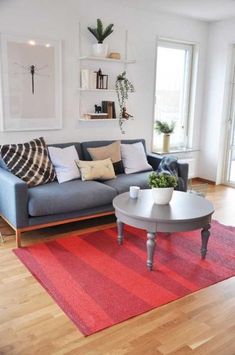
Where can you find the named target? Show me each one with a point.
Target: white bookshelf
(109, 60)
(84, 99)
(97, 119)
(96, 90)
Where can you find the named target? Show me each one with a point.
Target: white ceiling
(207, 10)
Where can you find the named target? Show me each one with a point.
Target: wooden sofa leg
(18, 238)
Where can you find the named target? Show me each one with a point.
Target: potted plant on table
(100, 49)
(123, 87)
(162, 187)
(166, 129)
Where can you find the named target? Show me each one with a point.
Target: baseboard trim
(198, 179)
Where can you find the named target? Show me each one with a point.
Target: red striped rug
(98, 283)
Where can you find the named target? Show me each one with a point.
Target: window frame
(188, 84)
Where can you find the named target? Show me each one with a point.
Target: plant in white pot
(166, 129)
(100, 49)
(162, 187)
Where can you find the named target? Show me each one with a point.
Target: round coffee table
(185, 212)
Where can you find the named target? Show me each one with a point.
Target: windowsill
(175, 151)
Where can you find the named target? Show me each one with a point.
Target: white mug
(134, 191)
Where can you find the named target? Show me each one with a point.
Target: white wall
(220, 42)
(59, 19)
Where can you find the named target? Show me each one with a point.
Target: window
(173, 84)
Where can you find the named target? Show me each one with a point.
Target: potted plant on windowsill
(100, 49)
(162, 187)
(166, 129)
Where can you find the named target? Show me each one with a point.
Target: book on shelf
(109, 108)
(85, 79)
(93, 116)
(88, 79)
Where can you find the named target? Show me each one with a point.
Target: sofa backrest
(82, 147)
(95, 144)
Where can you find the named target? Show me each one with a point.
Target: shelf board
(104, 119)
(97, 119)
(98, 59)
(96, 90)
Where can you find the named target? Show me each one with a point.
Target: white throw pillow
(63, 160)
(134, 158)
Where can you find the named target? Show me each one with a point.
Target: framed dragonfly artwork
(31, 92)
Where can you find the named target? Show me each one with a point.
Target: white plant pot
(162, 195)
(100, 50)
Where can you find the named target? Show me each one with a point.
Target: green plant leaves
(99, 33)
(123, 87)
(162, 180)
(164, 127)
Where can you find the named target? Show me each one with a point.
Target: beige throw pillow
(96, 170)
(112, 151)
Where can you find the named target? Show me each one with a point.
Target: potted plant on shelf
(100, 49)
(162, 187)
(123, 87)
(166, 129)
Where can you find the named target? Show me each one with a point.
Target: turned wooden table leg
(120, 228)
(205, 234)
(1, 238)
(18, 238)
(150, 249)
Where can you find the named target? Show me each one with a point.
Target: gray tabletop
(182, 207)
(185, 212)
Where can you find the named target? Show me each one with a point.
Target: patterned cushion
(96, 170)
(29, 161)
(112, 151)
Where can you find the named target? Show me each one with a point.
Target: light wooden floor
(31, 323)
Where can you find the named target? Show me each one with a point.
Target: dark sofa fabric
(123, 182)
(25, 207)
(70, 196)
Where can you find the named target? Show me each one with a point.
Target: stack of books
(109, 108)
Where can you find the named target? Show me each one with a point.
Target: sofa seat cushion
(123, 181)
(55, 198)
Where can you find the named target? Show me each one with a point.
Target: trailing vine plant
(123, 87)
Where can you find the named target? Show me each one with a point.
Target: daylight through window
(173, 84)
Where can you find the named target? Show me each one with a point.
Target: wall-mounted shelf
(104, 119)
(87, 97)
(97, 119)
(97, 90)
(99, 59)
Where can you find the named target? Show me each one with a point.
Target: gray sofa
(53, 203)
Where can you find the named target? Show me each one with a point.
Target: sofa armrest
(13, 199)
(155, 160)
(183, 173)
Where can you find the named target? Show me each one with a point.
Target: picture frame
(31, 84)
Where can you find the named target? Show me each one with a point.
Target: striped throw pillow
(29, 161)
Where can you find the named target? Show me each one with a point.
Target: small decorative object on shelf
(162, 187)
(97, 109)
(109, 108)
(125, 114)
(166, 129)
(99, 49)
(115, 55)
(101, 80)
(123, 87)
